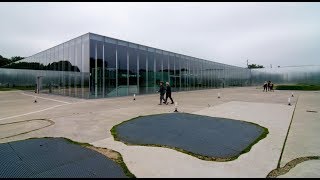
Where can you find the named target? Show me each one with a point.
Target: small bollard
(176, 107)
(134, 96)
(289, 101)
(35, 99)
(292, 94)
(218, 95)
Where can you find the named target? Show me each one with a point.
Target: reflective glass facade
(63, 69)
(95, 66)
(287, 75)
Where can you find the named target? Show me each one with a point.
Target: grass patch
(77, 143)
(5, 89)
(17, 88)
(124, 167)
(199, 156)
(290, 165)
(262, 136)
(301, 87)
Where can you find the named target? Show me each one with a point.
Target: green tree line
(4, 61)
(254, 66)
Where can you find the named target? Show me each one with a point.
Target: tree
(4, 61)
(254, 66)
(16, 58)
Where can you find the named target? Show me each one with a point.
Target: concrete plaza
(90, 121)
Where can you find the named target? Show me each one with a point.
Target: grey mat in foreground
(201, 135)
(54, 158)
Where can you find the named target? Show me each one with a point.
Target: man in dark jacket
(269, 84)
(162, 92)
(168, 93)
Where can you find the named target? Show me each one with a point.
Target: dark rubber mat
(202, 135)
(54, 158)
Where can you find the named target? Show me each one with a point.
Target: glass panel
(191, 72)
(184, 69)
(79, 69)
(172, 77)
(110, 69)
(177, 72)
(85, 66)
(165, 61)
(61, 86)
(73, 69)
(143, 75)
(93, 65)
(67, 68)
(151, 81)
(99, 70)
(133, 84)
(158, 72)
(122, 70)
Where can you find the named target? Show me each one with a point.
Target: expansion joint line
(283, 170)
(285, 141)
(50, 124)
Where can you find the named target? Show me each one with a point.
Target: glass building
(95, 66)
(308, 74)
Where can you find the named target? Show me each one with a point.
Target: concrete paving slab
(303, 139)
(15, 103)
(16, 128)
(262, 158)
(307, 169)
(91, 120)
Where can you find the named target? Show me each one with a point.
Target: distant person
(269, 84)
(271, 87)
(168, 93)
(162, 92)
(265, 86)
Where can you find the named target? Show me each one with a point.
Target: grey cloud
(265, 33)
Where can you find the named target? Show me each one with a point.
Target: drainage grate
(201, 135)
(54, 158)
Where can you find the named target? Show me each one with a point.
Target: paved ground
(91, 120)
(303, 139)
(308, 169)
(261, 159)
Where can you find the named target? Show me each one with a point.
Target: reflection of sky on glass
(265, 33)
(303, 74)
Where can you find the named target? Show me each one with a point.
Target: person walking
(271, 87)
(168, 93)
(265, 86)
(269, 84)
(162, 92)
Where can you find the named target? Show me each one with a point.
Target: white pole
(289, 101)
(134, 96)
(176, 106)
(218, 95)
(292, 94)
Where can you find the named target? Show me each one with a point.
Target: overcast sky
(280, 34)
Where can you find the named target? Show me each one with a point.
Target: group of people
(165, 91)
(268, 86)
